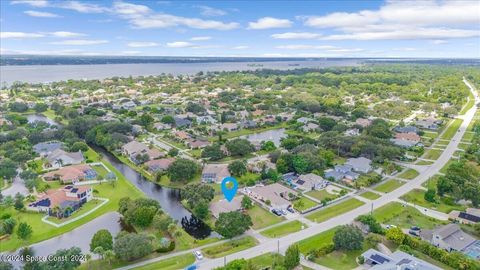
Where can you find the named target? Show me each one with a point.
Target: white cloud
(305, 47)
(211, 12)
(65, 34)
(131, 52)
(81, 7)
(439, 41)
(20, 35)
(140, 44)
(296, 35)
(403, 20)
(269, 23)
(405, 49)
(180, 44)
(33, 3)
(41, 14)
(200, 38)
(241, 47)
(140, 16)
(79, 42)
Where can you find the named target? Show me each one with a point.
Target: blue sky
(242, 28)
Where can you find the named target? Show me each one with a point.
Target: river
(52, 73)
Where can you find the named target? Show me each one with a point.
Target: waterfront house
(159, 164)
(275, 195)
(134, 149)
(215, 173)
(46, 148)
(62, 202)
(59, 158)
(72, 174)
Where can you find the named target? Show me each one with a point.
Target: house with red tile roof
(72, 174)
(62, 202)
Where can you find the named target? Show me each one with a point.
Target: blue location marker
(230, 190)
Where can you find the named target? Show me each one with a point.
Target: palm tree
(59, 162)
(56, 211)
(100, 251)
(109, 255)
(68, 210)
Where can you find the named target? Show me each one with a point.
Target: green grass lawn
(303, 203)
(101, 171)
(424, 162)
(262, 218)
(463, 146)
(405, 217)
(470, 103)
(316, 241)
(334, 210)
(445, 167)
(441, 146)
(452, 129)
(267, 260)
(370, 195)
(284, 229)
(229, 247)
(389, 185)
(321, 194)
(177, 262)
(468, 136)
(340, 260)
(432, 182)
(85, 208)
(416, 196)
(430, 134)
(432, 154)
(42, 231)
(409, 174)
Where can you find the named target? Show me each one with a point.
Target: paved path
(426, 211)
(271, 244)
(17, 186)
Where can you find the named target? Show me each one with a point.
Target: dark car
(276, 212)
(415, 228)
(289, 209)
(414, 232)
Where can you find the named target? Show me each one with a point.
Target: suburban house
(310, 127)
(223, 206)
(469, 216)
(305, 182)
(341, 172)
(408, 136)
(161, 126)
(159, 164)
(206, 120)
(363, 122)
(429, 123)
(352, 132)
(228, 126)
(46, 148)
(406, 129)
(197, 143)
(361, 164)
(450, 237)
(274, 195)
(59, 158)
(66, 200)
(182, 122)
(399, 260)
(72, 174)
(214, 173)
(258, 165)
(134, 148)
(304, 120)
(404, 143)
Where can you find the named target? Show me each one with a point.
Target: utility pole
(278, 246)
(371, 210)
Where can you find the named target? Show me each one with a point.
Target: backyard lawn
(452, 129)
(416, 196)
(101, 171)
(284, 229)
(370, 195)
(396, 214)
(84, 209)
(432, 154)
(262, 218)
(173, 263)
(389, 186)
(321, 194)
(340, 260)
(229, 247)
(409, 174)
(303, 203)
(334, 210)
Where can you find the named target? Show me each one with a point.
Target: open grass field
(408, 174)
(451, 129)
(370, 195)
(389, 185)
(416, 196)
(173, 263)
(334, 210)
(303, 203)
(432, 154)
(229, 247)
(41, 231)
(424, 162)
(316, 241)
(404, 216)
(284, 229)
(261, 218)
(321, 194)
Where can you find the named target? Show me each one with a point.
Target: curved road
(271, 245)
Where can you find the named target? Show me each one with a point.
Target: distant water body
(52, 73)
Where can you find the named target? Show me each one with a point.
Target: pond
(274, 135)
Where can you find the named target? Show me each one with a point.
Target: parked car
(276, 212)
(390, 226)
(415, 228)
(289, 209)
(414, 232)
(191, 267)
(198, 254)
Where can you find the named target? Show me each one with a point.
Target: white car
(198, 254)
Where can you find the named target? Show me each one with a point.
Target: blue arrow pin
(230, 190)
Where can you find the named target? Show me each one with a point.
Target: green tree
(232, 224)
(237, 168)
(131, 246)
(213, 152)
(19, 205)
(197, 192)
(102, 238)
(168, 119)
(247, 203)
(79, 146)
(348, 237)
(24, 231)
(201, 210)
(429, 195)
(292, 257)
(182, 170)
(268, 146)
(58, 264)
(8, 225)
(40, 107)
(396, 235)
(8, 169)
(239, 147)
(173, 152)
